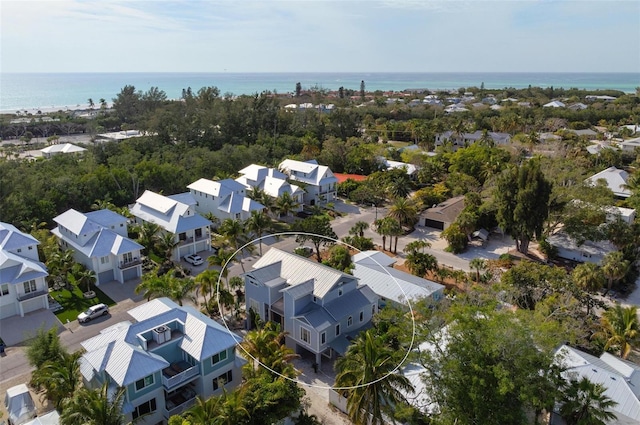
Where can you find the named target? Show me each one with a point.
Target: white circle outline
(322, 387)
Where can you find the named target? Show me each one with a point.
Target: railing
(130, 263)
(180, 377)
(189, 240)
(32, 295)
(179, 408)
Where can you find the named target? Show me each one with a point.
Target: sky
(320, 36)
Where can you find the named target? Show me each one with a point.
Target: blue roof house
(23, 288)
(175, 214)
(170, 355)
(99, 242)
(321, 308)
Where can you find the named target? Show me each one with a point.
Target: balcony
(31, 295)
(204, 236)
(130, 263)
(178, 403)
(178, 373)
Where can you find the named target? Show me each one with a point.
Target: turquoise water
(47, 91)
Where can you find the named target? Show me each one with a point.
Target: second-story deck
(179, 373)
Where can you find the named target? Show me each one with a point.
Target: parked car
(19, 404)
(93, 312)
(194, 259)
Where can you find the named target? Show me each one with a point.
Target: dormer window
(340, 292)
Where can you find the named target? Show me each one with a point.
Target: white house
(589, 252)
(49, 151)
(615, 179)
(224, 199)
(166, 358)
(23, 288)
(630, 145)
(375, 269)
(273, 182)
(554, 104)
(99, 241)
(620, 378)
(318, 180)
(175, 214)
(410, 169)
(321, 308)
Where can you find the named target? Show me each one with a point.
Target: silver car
(93, 312)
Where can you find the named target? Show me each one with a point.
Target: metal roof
(173, 216)
(608, 372)
(374, 258)
(11, 238)
(77, 222)
(616, 180)
(106, 217)
(394, 284)
(157, 202)
(219, 188)
(316, 316)
(349, 303)
(16, 269)
(296, 270)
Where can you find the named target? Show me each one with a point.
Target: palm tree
(85, 277)
(584, 403)
(215, 221)
(620, 328)
(103, 104)
(285, 204)
(167, 242)
(206, 283)
(383, 228)
(417, 260)
(404, 210)
(589, 277)
(614, 267)
(232, 231)
(60, 377)
(258, 223)
(154, 286)
(358, 228)
(90, 102)
(266, 347)
(204, 411)
(368, 375)
(147, 236)
(94, 407)
(395, 229)
(400, 186)
(223, 258)
(478, 264)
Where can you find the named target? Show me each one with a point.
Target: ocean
(46, 92)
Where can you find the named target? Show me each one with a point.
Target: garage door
(7, 310)
(105, 277)
(129, 274)
(434, 223)
(32, 305)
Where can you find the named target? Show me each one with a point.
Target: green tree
(620, 329)
(60, 377)
(404, 211)
(478, 264)
(285, 204)
(614, 267)
(418, 261)
(94, 407)
(368, 376)
(522, 199)
(456, 238)
(167, 243)
(233, 231)
(266, 348)
(316, 229)
(147, 236)
(258, 223)
(362, 90)
(584, 403)
(44, 347)
(339, 258)
(205, 284)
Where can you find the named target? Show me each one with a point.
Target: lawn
(73, 302)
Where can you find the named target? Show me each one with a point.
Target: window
(104, 260)
(144, 382)
(350, 321)
(223, 379)
(4, 289)
(361, 316)
(338, 329)
(29, 286)
(373, 309)
(315, 299)
(128, 257)
(217, 358)
(198, 233)
(19, 249)
(30, 248)
(305, 335)
(182, 236)
(323, 337)
(144, 409)
(340, 292)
